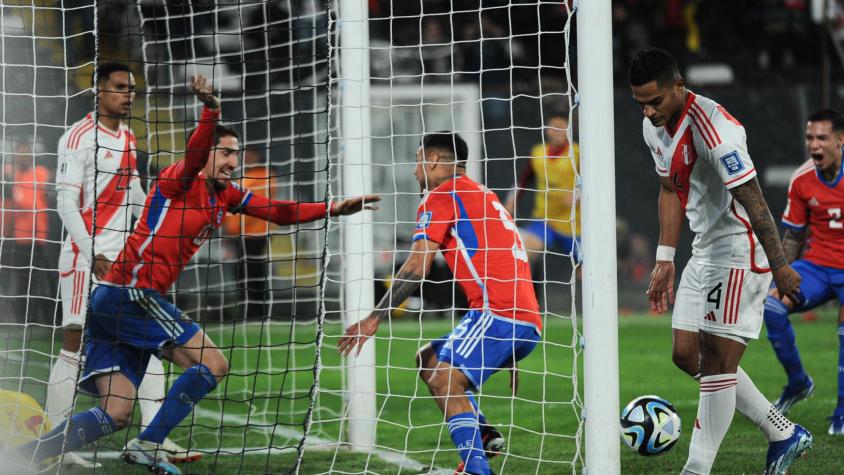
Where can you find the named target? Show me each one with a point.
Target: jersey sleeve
(241, 200)
(435, 217)
(796, 214)
(660, 165)
(72, 164)
(729, 158)
(180, 176)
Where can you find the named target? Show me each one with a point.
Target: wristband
(665, 253)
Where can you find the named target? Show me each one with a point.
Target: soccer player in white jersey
(704, 169)
(111, 175)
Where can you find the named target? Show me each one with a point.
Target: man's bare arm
(792, 243)
(409, 278)
(670, 214)
(749, 195)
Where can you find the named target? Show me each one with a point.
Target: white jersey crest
(705, 156)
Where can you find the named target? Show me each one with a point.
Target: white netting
(496, 73)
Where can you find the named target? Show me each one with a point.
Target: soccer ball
(650, 425)
(21, 420)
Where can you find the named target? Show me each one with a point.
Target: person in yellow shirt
(553, 166)
(253, 237)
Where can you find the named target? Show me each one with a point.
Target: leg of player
(204, 366)
(719, 359)
(781, 335)
(448, 385)
(150, 399)
(117, 398)
(836, 423)
(61, 385)
(685, 353)
(493, 442)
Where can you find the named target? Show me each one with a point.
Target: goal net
(276, 299)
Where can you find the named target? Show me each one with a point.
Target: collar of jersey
(689, 100)
(837, 178)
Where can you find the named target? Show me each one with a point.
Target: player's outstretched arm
(202, 139)
(661, 288)
(292, 212)
(405, 283)
(749, 195)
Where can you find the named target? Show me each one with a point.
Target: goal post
(600, 293)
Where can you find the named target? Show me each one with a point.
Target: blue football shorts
(126, 326)
(818, 285)
(567, 244)
(484, 343)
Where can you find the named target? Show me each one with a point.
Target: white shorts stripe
(479, 338)
(476, 329)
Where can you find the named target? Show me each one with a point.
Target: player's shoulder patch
(424, 220)
(732, 163)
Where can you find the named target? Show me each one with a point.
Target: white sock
(151, 391)
(61, 387)
(714, 414)
(751, 403)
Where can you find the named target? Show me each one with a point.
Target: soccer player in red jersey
(813, 224)
(481, 244)
(130, 317)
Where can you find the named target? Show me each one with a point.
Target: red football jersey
(181, 213)
(817, 204)
(482, 246)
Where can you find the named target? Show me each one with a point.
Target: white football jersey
(705, 156)
(110, 177)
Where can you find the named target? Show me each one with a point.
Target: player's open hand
(356, 335)
(787, 281)
(661, 289)
(204, 91)
(101, 266)
(355, 205)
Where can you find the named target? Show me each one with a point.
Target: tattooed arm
(407, 280)
(749, 195)
(792, 243)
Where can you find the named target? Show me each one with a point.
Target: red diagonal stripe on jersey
(707, 122)
(726, 310)
(707, 137)
(113, 197)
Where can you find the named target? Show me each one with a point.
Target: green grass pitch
(258, 410)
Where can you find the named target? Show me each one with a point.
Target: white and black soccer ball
(650, 425)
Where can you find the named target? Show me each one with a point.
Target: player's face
(116, 94)
(556, 133)
(222, 162)
(824, 144)
(659, 104)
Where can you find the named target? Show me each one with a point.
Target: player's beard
(219, 185)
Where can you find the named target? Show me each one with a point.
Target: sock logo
(697, 423)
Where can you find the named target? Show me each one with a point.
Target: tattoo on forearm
(404, 285)
(792, 243)
(750, 197)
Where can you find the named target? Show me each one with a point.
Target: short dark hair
(653, 64)
(556, 113)
(220, 130)
(104, 70)
(828, 115)
(448, 141)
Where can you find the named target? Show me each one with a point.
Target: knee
(776, 311)
(219, 368)
(686, 361)
(121, 414)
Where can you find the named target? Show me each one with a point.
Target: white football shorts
(74, 284)
(722, 301)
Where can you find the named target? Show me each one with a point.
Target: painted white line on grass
(312, 442)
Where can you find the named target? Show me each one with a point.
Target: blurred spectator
(436, 49)
(254, 270)
(26, 231)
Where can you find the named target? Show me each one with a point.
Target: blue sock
(840, 409)
(85, 427)
(781, 335)
(189, 389)
(471, 396)
(466, 435)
